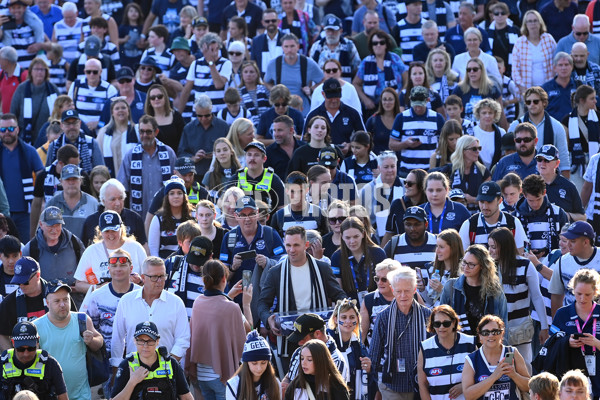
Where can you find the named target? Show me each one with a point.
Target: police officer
(26, 367)
(150, 373)
(258, 181)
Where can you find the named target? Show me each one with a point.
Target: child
(454, 108)
(315, 249)
(58, 67)
(511, 187)
(510, 93)
(297, 103)
(233, 110)
(131, 43)
(199, 29)
(10, 252)
(362, 166)
(53, 131)
(264, 212)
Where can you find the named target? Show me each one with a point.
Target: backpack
(279, 65)
(97, 362)
(510, 222)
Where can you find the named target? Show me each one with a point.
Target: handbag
(97, 362)
(520, 334)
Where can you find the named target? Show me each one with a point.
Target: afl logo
(482, 378)
(107, 315)
(435, 371)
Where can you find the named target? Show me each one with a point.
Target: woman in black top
(170, 121)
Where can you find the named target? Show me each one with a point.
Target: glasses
(493, 332)
(382, 279)
(331, 70)
(146, 132)
(474, 69)
(143, 343)
(468, 265)
(445, 324)
(235, 53)
(581, 33)
(528, 139)
(253, 214)
(144, 68)
(278, 105)
(498, 13)
(74, 123)
(543, 160)
(26, 348)
(337, 220)
(8, 128)
(91, 71)
(409, 183)
(156, 278)
(534, 101)
(203, 115)
(378, 43)
(270, 21)
(157, 96)
(120, 260)
(532, 21)
(474, 149)
(124, 80)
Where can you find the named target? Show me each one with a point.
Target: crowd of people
(299, 199)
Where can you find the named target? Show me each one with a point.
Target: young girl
(451, 131)
(344, 327)
(98, 176)
(511, 186)
(186, 16)
(223, 166)
(318, 377)
(255, 95)
(238, 31)
(417, 76)
(362, 166)
(382, 121)
(255, 379)
(131, 44)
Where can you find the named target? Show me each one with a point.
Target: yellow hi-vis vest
(36, 370)
(264, 184)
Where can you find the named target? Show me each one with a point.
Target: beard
(525, 153)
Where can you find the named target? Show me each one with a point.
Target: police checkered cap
(147, 328)
(25, 334)
(256, 348)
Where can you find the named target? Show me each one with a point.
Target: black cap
(125, 73)
(328, 157)
(415, 212)
(258, 145)
(549, 152)
(199, 21)
(508, 141)
(109, 221)
(489, 191)
(55, 285)
(305, 325)
(92, 46)
(200, 251)
(25, 334)
(147, 328)
(331, 21)
(184, 165)
(332, 88)
(68, 114)
(150, 62)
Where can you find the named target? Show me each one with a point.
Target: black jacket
(557, 357)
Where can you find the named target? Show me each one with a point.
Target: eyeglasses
(543, 160)
(409, 183)
(528, 139)
(439, 324)
(120, 260)
(474, 148)
(91, 71)
(474, 69)
(253, 214)
(493, 332)
(26, 348)
(534, 101)
(8, 128)
(203, 115)
(144, 68)
(468, 265)
(146, 132)
(336, 220)
(270, 21)
(498, 13)
(235, 53)
(278, 105)
(124, 80)
(156, 278)
(143, 343)
(331, 70)
(157, 96)
(378, 43)
(581, 33)
(382, 279)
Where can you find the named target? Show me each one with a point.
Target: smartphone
(578, 336)
(509, 357)
(246, 278)
(248, 255)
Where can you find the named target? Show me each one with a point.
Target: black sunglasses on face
(439, 324)
(525, 139)
(337, 220)
(534, 101)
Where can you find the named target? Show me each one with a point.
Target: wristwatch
(211, 63)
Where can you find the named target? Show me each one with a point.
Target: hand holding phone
(509, 358)
(247, 255)
(246, 278)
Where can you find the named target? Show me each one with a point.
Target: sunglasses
(474, 148)
(278, 105)
(125, 80)
(121, 260)
(157, 96)
(26, 348)
(8, 128)
(377, 279)
(543, 160)
(144, 68)
(493, 332)
(91, 71)
(525, 139)
(270, 21)
(409, 183)
(535, 101)
(146, 132)
(337, 220)
(29, 279)
(203, 115)
(235, 53)
(581, 33)
(378, 43)
(331, 70)
(498, 13)
(445, 324)
(474, 69)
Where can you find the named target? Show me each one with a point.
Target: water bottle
(433, 294)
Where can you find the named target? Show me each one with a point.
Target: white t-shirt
(537, 63)
(96, 258)
(302, 286)
(487, 142)
(568, 266)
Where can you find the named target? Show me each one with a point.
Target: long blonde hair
(485, 84)
(238, 127)
(450, 74)
(490, 283)
(458, 159)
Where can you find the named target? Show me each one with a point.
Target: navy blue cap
(415, 212)
(24, 268)
(489, 191)
(245, 202)
(579, 229)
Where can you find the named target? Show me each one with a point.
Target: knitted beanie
(256, 348)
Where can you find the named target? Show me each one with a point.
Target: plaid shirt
(522, 72)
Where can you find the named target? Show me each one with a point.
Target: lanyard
(580, 328)
(366, 274)
(441, 218)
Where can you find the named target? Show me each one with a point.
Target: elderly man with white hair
(112, 198)
(67, 31)
(398, 331)
(581, 33)
(10, 77)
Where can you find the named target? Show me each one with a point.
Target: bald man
(585, 71)
(580, 32)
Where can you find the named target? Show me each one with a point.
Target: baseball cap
(328, 157)
(21, 2)
(200, 251)
(70, 171)
(68, 114)
(24, 268)
(109, 221)
(199, 21)
(256, 144)
(579, 229)
(332, 88)
(55, 285)
(125, 73)
(184, 165)
(332, 22)
(150, 62)
(52, 216)
(180, 43)
(507, 141)
(419, 96)
(415, 212)
(92, 46)
(305, 325)
(245, 202)
(456, 193)
(147, 328)
(412, 1)
(548, 152)
(489, 191)
(25, 334)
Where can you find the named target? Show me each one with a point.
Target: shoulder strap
(278, 64)
(176, 267)
(303, 69)
(76, 247)
(473, 227)
(34, 249)
(393, 244)
(82, 321)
